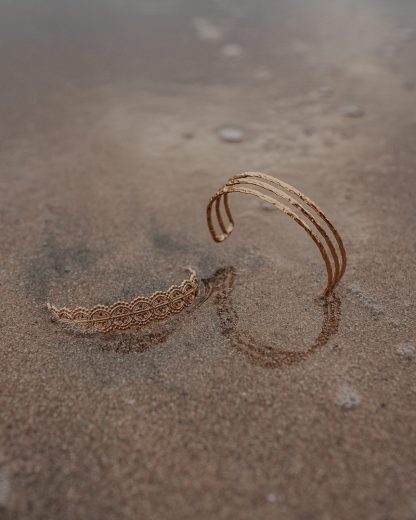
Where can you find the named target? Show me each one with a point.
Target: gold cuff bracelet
(241, 184)
(137, 313)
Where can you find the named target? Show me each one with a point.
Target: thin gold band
(270, 184)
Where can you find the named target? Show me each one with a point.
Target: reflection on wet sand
(221, 287)
(133, 340)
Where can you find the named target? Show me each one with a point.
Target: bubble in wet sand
(407, 351)
(271, 498)
(232, 50)
(206, 30)
(231, 134)
(351, 111)
(347, 397)
(325, 91)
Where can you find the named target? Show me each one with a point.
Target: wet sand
(260, 402)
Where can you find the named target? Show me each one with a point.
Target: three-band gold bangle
(295, 205)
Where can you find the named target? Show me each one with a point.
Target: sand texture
(118, 121)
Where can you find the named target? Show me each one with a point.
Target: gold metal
(137, 313)
(335, 261)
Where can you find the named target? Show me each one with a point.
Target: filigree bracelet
(137, 313)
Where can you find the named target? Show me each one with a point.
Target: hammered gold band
(335, 261)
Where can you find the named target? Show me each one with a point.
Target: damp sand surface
(118, 121)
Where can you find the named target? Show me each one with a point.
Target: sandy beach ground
(115, 128)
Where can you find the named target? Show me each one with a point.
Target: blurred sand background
(112, 139)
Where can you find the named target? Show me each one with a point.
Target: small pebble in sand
(407, 351)
(407, 34)
(232, 50)
(205, 30)
(271, 498)
(351, 111)
(347, 397)
(230, 134)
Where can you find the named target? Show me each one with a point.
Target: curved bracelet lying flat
(239, 183)
(137, 313)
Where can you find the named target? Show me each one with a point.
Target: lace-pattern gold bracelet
(124, 315)
(335, 261)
